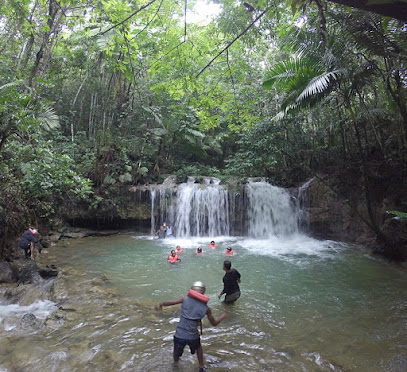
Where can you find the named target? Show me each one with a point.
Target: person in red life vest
(229, 251)
(193, 310)
(199, 251)
(27, 242)
(212, 245)
(178, 249)
(173, 258)
(231, 282)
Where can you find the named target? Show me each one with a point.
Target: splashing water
(270, 211)
(202, 210)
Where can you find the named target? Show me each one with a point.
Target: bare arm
(169, 303)
(214, 321)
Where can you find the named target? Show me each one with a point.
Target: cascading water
(270, 212)
(302, 205)
(208, 209)
(202, 210)
(152, 196)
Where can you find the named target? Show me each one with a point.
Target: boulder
(7, 273)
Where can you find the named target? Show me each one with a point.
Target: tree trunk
(53, 9)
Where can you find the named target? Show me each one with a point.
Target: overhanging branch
(130, 16)
(230, 44)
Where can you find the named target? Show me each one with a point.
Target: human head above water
(199, 287)
(212, 242)
(199, 249)
(227, 265)
(173, 252)
(229, 249)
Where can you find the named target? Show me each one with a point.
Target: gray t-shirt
(192, 311)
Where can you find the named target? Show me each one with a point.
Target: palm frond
(4, 88)
(48, 116)
(320, 84)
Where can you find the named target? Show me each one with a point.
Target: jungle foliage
(100, 95)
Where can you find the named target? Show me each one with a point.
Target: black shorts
(179, 345)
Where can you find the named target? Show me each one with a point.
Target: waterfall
(259, 210)
(202, 209)
(270, 211)
(302, 205)
(152, 197)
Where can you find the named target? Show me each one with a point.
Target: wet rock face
(26, 272)
(29, 322)
(7, 273)
(48, 271)
(333, 218)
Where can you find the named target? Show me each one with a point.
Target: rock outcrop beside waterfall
(342, 219)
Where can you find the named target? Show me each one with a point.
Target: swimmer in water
(173, 258)
(229, 251)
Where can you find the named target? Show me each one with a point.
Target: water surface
(306, 305)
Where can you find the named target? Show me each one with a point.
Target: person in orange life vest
(172, 257)
(229, 251)
(212, 245)
(27, 242)
(178, 249)
(199, 251)
(193, 310)
(231, 282)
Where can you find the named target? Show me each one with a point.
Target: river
(306, 305)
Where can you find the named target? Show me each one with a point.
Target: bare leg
(199, 354)
(176, 357)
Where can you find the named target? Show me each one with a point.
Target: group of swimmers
(173, 256)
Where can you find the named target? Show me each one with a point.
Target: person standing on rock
(27, 242)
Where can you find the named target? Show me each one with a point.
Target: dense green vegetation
(98, 95)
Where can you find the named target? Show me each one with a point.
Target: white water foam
(294, 245)
(41, 309)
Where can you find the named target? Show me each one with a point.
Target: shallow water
(306, 305)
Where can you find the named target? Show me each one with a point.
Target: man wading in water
(193, 309)
(231, 282)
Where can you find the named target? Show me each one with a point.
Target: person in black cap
(27, 242)
(193, 309)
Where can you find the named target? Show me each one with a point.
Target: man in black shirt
(231, 282)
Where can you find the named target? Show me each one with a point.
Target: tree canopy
(99, 95)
